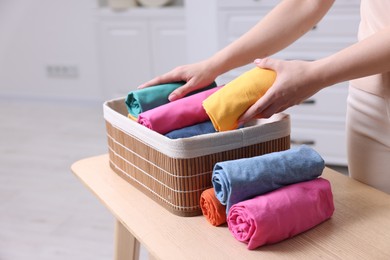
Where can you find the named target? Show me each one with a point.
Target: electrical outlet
(62, 71)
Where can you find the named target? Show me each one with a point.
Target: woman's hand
(295, 82)
(196, 76)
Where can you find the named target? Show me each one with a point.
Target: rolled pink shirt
(177, 114)
(281, 214)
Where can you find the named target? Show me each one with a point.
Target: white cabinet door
(168, 43)
(326, 137)
(125, 56)
(137, 45)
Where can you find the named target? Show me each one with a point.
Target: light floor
(45, 212)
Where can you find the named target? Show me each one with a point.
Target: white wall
(204, 28)
(37, 36)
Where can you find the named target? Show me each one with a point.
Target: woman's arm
(283, 25)
(288, 21)
(367, 57)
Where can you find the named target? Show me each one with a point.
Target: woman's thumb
(266, 63)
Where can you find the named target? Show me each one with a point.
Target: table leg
(126, 245)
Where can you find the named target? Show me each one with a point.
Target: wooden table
(359, 228)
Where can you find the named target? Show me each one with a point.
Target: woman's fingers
(181, 91)
(263, 108)
(195, 76)
(165, 78)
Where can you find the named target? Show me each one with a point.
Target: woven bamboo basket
(174, 172)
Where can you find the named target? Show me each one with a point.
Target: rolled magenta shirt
(177, 114)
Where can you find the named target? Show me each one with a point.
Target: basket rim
(259, 130)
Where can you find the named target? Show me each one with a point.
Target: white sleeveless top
(375, 15)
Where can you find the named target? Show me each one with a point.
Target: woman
(366, 64)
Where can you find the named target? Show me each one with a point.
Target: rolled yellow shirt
(225, 106)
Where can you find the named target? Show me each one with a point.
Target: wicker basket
(174, 172)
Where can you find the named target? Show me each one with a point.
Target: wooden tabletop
(359, 228)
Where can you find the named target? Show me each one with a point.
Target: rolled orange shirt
(212, 209)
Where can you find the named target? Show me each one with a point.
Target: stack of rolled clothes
(178, 119)
(207, 110)
(272, 197)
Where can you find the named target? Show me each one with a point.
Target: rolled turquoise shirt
(142, 100)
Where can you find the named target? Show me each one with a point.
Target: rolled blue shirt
(238, 180)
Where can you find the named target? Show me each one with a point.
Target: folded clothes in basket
(242, 179)
(226, 106)
(141, 100)
(177, 114)
(212, 209)
(281, 214)
(193, 130)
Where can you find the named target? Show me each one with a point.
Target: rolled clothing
(132, 117)
(180, 113)
(212, 209)
(193, 130)
(226, 106)
(142, 100)
(281, 214)
(242, 179)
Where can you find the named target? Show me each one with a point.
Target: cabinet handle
(300, 142)
(309, 102)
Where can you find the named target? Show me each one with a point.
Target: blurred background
(61, 59)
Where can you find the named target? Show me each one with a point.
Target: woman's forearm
(283, 25)
(367, 57)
